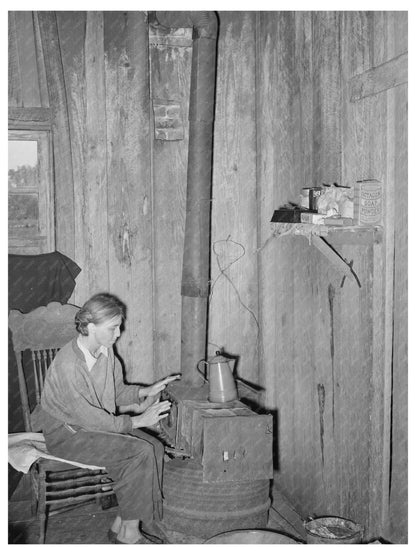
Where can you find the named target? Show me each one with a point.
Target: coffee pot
(219, 375)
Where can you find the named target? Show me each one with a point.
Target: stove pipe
(196, 257)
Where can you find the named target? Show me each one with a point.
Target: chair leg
(34, 504)
(42, 509)
(42, 527)
(34, 494)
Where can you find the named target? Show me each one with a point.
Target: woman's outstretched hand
(151, 416)
(159, 386)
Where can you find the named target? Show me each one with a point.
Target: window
(31, 207)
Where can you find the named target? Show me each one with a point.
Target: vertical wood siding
(105, 58)
(129, 210)
(72, 35)
(359, 133)
(398, 488)
(55, 84)
(325, 365)
(95, 221)
(233, 309)
(276, 184)
(170, 67)
(353, 321)
(15, 76)
(24, 87)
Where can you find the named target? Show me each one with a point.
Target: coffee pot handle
(203, 374)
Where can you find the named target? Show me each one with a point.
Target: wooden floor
(89, 524)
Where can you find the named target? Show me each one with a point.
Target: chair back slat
(43, 331)
(46, 361)
(24, 398)
(36, 364)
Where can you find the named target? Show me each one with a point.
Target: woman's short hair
(100, 308)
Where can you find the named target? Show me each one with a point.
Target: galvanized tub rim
(247, 535)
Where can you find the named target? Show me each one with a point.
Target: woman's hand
(151, 416)
(138, 408)
(159, 386)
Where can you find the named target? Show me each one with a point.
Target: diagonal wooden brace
(333, 256)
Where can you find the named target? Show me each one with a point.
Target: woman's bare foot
(129, 531)
(115, 527)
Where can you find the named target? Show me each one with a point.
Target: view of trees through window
(23, 185)
(31, 220)
(23, 176)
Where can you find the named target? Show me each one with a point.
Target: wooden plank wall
(324, 364)
(14, 76)
(120, 194)
(358, 310)
(24, 85)
(129, 181)
(375, 128)
(233, 309)
(55, 86)
(170, 69)
(398, 487)
(105, 63)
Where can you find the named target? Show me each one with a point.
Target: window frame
(44, 240)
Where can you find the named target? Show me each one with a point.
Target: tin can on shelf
(310, 197)
(368, 202)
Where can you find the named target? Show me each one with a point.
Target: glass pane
(24, 212)
(23, 165)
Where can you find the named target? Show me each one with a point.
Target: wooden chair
(56, 486)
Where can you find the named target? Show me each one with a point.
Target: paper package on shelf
(336, 201)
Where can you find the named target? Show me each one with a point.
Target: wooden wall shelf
(324, 237)
(353, 235)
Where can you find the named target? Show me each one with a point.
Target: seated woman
(90, 415)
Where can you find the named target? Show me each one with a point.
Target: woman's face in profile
(108, 332)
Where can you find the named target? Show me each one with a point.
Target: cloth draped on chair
(27, 447)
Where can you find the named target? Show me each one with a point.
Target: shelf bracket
(334, 258)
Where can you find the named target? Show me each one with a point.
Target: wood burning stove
(219, 476)
(229, 440)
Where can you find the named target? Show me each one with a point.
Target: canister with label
(368, 202)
